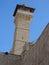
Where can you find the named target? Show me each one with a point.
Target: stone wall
(9, 59)
(37, 55)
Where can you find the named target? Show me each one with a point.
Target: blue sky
(7, 27)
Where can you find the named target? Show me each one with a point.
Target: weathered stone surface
(39, 53)
(22, 21)
(36, 55)
(9, 59)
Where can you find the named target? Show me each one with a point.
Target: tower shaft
(23, 16)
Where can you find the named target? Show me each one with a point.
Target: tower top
(23, 7)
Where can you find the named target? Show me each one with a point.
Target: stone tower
(23, 16)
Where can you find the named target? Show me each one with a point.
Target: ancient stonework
(24, 52)
(22, 18)
(38, 54)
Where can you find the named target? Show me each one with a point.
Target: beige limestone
(28, 54)
(38, 54)
(21, 36)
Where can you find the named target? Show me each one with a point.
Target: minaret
(23, 16)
